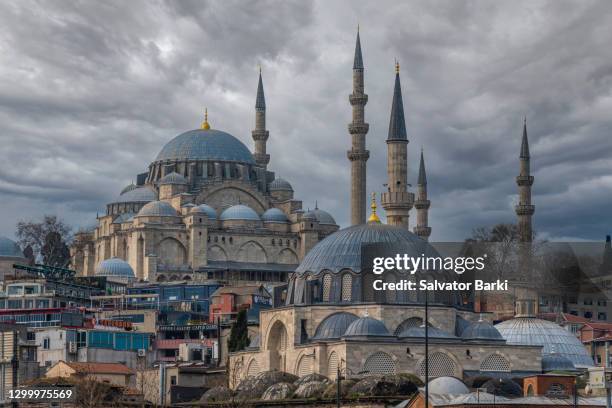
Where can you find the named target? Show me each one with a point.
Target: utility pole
(427, 347)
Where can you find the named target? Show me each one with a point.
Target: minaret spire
(397, 201)
(260, 134)
(422, 204)
(358, 128)
(524, 209)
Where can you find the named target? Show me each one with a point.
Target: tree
(239, 335)
(48, 240)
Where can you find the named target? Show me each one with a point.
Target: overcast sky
(91, 91)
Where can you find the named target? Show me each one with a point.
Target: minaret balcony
(260, 135)
(397, 200)
(358, 128)
(422, 204)
(524, 209)
(261, 158)
(524, 181)
(358, 99)
(358, 156)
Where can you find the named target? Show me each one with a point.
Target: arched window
(332, 365)
(406, 324)
(440, 365)
(379, 363)
(495, 362)
(347, 287)
(305, 366)
(253, 368)
(327, 281)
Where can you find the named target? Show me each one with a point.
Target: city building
(111, 373)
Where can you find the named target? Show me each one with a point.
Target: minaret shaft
(422, 204)
(260, 134)
(524, 209)
(358, 128)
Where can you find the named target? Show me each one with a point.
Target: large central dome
(206, 144)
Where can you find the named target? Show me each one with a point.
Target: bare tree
(48, 240)
(91, 393)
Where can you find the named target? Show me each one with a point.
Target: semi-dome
(9, 248)
(206, 144)
(239, 212)
(556, 362)
(334, 326)
(553, 338)
(432, 333)
(274, 215)
(280, 184)
(205, 209)
(115, 267)
(481, 330)
(367, 327)
(172, 178)
(137, 195)
(157, 209)
(447, 386)
(322, 216)
(342, 249)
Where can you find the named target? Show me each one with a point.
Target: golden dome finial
(373, 217)
(205, 124)
(396, 66)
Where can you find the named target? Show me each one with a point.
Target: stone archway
(277, 345)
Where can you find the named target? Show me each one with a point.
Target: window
(379, 363)
(602, 316)
(327, 281)
(495, 362)
(347, 287)
(588, 314)
(440, 365)
(173, 380)
(602, 302)
(588, 302)
(46, 344)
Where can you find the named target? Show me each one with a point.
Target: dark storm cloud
(90, 91)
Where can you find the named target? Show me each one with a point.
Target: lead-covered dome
(9, 248)
(208, 145)
(280, 184)
(334, 326)
(157, 209)
(205, 209)
(115, 267)
(239, 212)
(418, 332)
(481, 330)
(322, 216)
(367, 327)
(342, 249)
(447, 386)
(274, 215)
(136, 195)
(172, 178)
(553, 338)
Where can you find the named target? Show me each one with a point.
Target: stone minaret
(358, 155)
(397, 201)
(260, 134)
(524, 209)
(422, 204)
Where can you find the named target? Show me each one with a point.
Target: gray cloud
(90, 92)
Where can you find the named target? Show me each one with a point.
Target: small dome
(239, 212)
(172, 178)
(188, 205)
(481, 330)
(9, 248)
(125, 217)
(432, 333)
(447, 386)
(280, 184)
(556, 362)
(157, 209)
(334, 326)
(127, 188)
(205, 209)
(114, 267)
(367, 326)
(141, 194)
(323, 217)
(307, 216)
(274, 215)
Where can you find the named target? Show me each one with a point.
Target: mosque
(207, 208)
(333, 321)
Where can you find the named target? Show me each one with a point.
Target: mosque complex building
(210, 209)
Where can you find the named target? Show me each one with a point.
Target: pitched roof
(99, 368)
(573, 318)
(241, 290)
(598, 326)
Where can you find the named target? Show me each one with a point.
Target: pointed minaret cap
(397, 124)
(205, 124)
(260, 102)
(373, 217)
(422, 180)
(358, 60)
(525, 142)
